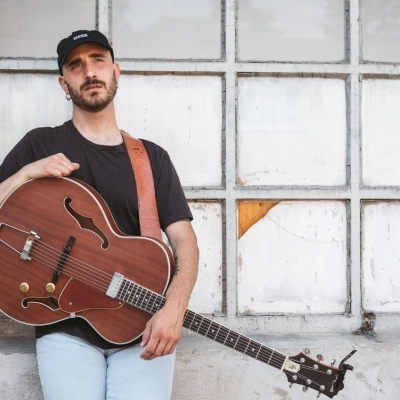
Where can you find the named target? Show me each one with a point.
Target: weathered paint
(207, 223)
(291, 131)
(28, 101)
(183, 114)
(380, 132)
(294, 260)
(381, 256)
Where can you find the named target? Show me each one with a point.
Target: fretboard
(140, 297)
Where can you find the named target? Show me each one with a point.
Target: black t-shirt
(109, 171)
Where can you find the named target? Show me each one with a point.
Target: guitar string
(53, 253)
(272, 357)
(203, 330)
(48, 257)
(70, 260)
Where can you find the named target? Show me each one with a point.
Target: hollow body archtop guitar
(62, 256)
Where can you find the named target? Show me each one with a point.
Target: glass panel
(380, 256)
(293, 258)
(22, 109)
(380, 30)
(183, 114)
(284, 126)
(27, 31)
(206, 297)
(285, 31)
(380, 132)
(174, 29)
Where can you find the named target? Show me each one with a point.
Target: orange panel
(250, 212)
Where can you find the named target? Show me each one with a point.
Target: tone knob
(24, 287)
(50, 287)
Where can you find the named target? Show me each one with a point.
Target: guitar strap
(148, 214)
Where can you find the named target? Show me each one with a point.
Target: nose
(89, 71)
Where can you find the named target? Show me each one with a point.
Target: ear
(63, 84)
(117, 71)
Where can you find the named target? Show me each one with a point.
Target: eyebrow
(79, 59)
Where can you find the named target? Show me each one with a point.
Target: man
(74, 361)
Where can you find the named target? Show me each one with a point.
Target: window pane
(183, 114)
(380, 132)
(206, 297)
(34, 28)
(174, 29)
(380, 30)
(380, 256)
(294, 259)
(284, 126)
(22, 109)
(286, 31)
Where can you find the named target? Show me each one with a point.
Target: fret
(231, 339)
(196, 323)
(221, 334)
(253, 349)
(243, 344)
(188, 319)
(121, 290)
(129, 291)
(205, 327)
(151, 302)
(213, 330)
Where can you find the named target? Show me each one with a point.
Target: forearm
(163, 331)
(11, 184)
(186, 254)
(53, 166)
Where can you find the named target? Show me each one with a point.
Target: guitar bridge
(28, 245)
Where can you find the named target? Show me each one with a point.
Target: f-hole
(86, 223)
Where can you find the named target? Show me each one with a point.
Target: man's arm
(163, 330)
(57, 166)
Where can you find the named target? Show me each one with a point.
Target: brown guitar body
(57, 209)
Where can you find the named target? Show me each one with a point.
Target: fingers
(160, 337)
(57, 165)
(158, 348)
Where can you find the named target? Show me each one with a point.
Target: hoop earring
(68, 96)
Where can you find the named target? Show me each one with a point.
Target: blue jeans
(72, 369)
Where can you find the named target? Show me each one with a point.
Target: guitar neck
(149, 301)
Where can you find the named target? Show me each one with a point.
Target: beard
(95, 102)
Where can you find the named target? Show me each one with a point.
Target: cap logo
(80, 36)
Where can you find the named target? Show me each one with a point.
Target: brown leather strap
(148, 214)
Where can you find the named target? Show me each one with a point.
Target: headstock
(326, 379)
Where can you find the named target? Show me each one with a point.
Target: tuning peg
(318, 395)
(333, 362)
(320, 357)
(306, 350)
(290, 385)
(305, 388)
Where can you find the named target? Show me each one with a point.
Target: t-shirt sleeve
(171, 201)
(17, 158)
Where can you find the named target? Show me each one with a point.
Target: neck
(100, 127)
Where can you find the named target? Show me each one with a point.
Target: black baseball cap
(77, 38)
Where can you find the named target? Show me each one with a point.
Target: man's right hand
(56, 165)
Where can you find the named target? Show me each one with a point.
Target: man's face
(90, 77)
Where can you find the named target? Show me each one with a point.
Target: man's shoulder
(47, 130)
(154, 150)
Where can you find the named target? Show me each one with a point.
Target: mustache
(92, 82)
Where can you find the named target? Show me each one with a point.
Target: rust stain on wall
(250, 212)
